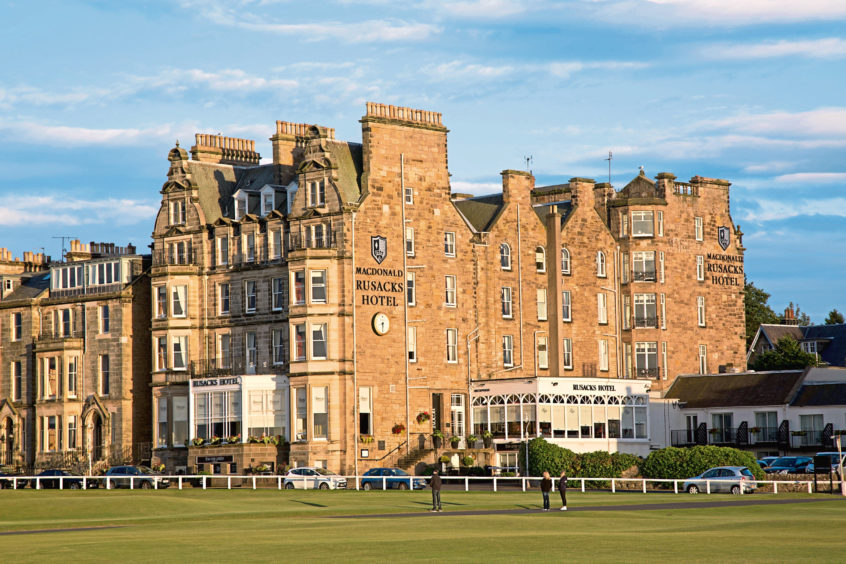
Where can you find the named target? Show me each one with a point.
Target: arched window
(600, 264)
(565, 261)
(505, 256)
(540, 259)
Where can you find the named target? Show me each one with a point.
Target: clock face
(381, 323)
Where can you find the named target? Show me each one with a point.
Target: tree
(757, 310)
(787, 355)
(834, 317)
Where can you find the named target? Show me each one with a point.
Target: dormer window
(177, 212)
(316, 193)
(268, 200)
(240, 206)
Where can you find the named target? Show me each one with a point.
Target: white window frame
(250, 350)
(543, 309)
(624, 224)
(507, 302)
(17, 326)
(703, 359)
(277, 293)
(603, 355)
(602, 308)
(449, 243)
(160, 307)
(643, 214)
(450, 290)
(248, 295)
(105, 319)
(409, 241)
(179, 295)
(412, 343)
(182, 342)
(700, 310)
(660, 215)
(700, 268)
(278, 347)
(543, 353)
(222, 250)
(160, 345)
(566, 306)
(452, 345)
(411, 288)
(663, 299)
(295, 342)
(505, 256)
(319, 334)
(565, 260)
(507, 351)
(224, 298)
(409, 196)
(661, 267)
(601, 266)
(567, 353)
(225, 360)
(295, 299)
(316, 284)
(540, 259)
(664, 359)
(317, 193)
(698, 229)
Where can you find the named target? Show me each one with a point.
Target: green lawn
(270, 526)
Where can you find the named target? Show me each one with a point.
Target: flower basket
(437, 438)
(487, 439)
(454, 441)
(198, 441)
(398, 429)
(467, 461)
(471, 441)
(366, 439)
(422, 417)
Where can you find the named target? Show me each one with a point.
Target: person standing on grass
(562, 489)
(435, 484)
(546, 487)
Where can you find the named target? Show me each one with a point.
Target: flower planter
(488, 441)
(438, 442)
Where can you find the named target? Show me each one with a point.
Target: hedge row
(681, 463)
(547, 457)
(668, 463)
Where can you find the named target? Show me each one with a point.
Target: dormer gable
(240, 204)
(269, 198)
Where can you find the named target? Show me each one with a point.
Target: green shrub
(681, 463)
(547, 457)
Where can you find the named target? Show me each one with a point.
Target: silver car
(312, 478)
(727, 479)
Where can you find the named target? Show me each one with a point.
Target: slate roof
(775, 332)
(481, 211)
(30, 287)
(827, 393)
(834, 352)
(739, 389)
(348, 158)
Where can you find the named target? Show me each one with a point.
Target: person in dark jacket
(435, 484)
(546, 487)
(562, 489)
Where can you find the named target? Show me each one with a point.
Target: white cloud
(61, 210)
(62, 135)
(247, 15)
(462, 71)
(481, 9)
(812, 177)
(831, 47)
(666, 13)
(770, 210)
(822, 122)
(769, 166)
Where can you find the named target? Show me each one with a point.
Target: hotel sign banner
(724, 270)
(229, 382)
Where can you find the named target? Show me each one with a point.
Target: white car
(312, 478)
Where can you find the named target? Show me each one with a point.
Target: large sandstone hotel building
(341, 294)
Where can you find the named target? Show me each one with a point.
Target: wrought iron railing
(653, 372)
(648, 322)
(644, 275)
(170, 257)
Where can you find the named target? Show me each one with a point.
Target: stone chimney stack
(789, 317)
(517, 186)
(224, 150)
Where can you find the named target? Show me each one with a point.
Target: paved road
(582, 508)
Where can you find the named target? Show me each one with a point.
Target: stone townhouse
(74, 377)
(344, 299)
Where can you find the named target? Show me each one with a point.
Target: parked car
(53, 479)
(308, 478)
(836, 463)
(135, 476)
(722, 479)
(767, 460)
(390, 478)
(7, 482)
(789, 465)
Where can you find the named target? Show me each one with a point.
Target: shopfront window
(217, 414)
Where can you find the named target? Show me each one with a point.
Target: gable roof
(775, 332)
(30, 287)
(739, 389)
(481, 211)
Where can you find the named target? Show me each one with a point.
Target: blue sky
(94, 93)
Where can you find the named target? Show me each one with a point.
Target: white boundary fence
(464, 482)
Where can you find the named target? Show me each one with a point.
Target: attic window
(240, 207)
(177, 212)
(268, 203)
(317, 193)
